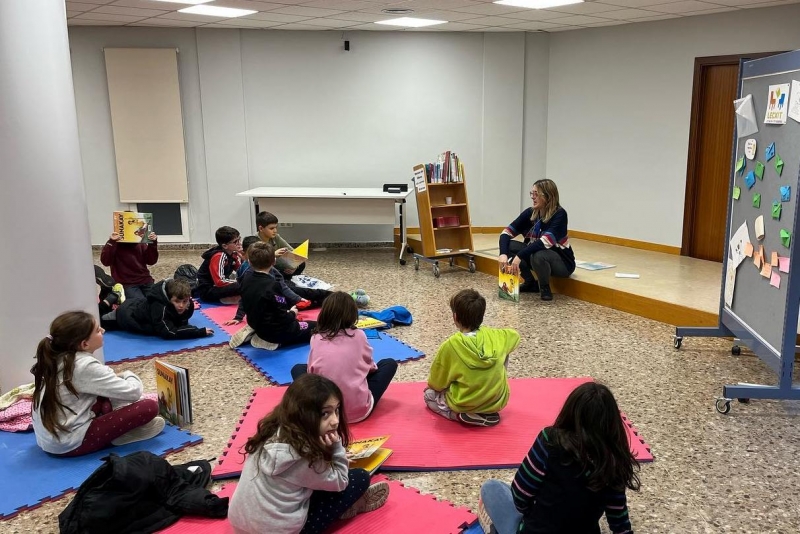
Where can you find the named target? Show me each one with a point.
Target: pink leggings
(109, 425)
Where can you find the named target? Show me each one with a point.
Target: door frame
(689, 202)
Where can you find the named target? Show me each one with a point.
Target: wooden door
(706, 207)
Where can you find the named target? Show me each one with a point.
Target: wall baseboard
(623, 242)
(475, 230)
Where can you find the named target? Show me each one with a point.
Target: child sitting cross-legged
(215, 282)
(80, 405)
(468, 380)
(341, 352)
(165, 312)
(296, 477)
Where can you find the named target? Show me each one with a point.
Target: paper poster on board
(745, 116)
(419, 178)
(737, 245)
(730, 283)
(777, 104)
(794, 101)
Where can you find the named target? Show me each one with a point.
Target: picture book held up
(508, 286)
(297, 256)
(174, 393)
(132, 226)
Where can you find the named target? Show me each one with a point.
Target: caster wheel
(472, 266)
(736, 350)
(416, 264)
(744, 401)
(410, 249)
(723, 406)
(436, 272)
(677, 342)
(402, 262)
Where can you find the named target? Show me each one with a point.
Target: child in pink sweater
(341, 353)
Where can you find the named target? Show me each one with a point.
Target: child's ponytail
(67, 332)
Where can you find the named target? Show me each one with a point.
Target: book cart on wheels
(444, 222)
(760, 297)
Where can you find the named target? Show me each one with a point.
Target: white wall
(537, 81)
(293, 108)
(619, 108)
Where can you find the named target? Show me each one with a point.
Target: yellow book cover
(132, 226)
(366, 323)
(508, 286)
(296, 256)
(169, 405)
(364, 448)
(372, 463)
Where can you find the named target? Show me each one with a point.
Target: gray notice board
(760, 307)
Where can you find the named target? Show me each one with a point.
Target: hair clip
(48, 336)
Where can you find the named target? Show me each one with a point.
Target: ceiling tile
(686, 6)
(769, 4)
(167, 22)
(308, 11)
(360, 17)
(490, 9)
(372, 27)
(344, 5)
(276, 17)
(445, 4)
(133, 11)
(491, 21)
(91, 15)
(247, 4)
(88, 22)
(532, 25)
(563, 29)
(577, 20)
(80, 6)
(250, 23)
(191, 16)
(718, 9)
(458, 27)
(495, 29)
(97, 2)
(654, 18)
(298, 27)
(633, 3)
(606, 23)
(331, 23)
(539, 14)
(586, 8)
(450, 16)
(627, 14)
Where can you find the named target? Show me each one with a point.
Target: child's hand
(349, 456)
(232, 321)
(331, 438)
(209, 332)
(281, 251)
(114, 237)
(152, 236)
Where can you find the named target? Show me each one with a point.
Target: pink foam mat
(406, 510)
(219, 314)
(424, 441)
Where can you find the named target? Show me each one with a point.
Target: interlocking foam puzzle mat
(30, 477)
(220, 314)
(424, 441)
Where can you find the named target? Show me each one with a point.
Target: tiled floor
(712, 473)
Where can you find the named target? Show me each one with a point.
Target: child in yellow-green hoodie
(468, 380)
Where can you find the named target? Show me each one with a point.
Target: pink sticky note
(775, 280)
(783, 264)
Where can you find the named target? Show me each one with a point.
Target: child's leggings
(326, 507)
(109, 425)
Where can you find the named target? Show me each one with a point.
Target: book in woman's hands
(508, 286)
(174, 394)
(368, 454)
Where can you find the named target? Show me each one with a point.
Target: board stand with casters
(760, 300)
(450, 262)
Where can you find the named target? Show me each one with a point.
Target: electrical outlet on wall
(285, 225)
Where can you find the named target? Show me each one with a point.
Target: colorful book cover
(132, 226)
(364, 448)
(368, 322)
(372, 463)
(508, 286)
(168, 394)
(296, 256)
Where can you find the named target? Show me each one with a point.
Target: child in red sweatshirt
(129, 261)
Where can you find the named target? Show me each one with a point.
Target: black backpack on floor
(187, 272)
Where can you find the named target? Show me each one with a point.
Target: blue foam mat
(276, 365)
(29, 476)
(123, 346)
(475, 528)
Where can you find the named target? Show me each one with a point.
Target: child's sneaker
(102, 278)
(119, 291)
(483, 518)
(358, 292)
(373, 498)
(479, 419)
(259, 343)
(362, 299)
(241, 337)
(303, 304)
(146, 431)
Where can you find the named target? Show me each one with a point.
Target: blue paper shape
(770, 152)
(786, 191)
(750, 180)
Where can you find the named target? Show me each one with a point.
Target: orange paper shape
(766, 271)
(774, 259)
(748, 250)
(757, 259)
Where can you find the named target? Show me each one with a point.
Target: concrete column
(45, 258)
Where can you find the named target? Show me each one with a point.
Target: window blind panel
(147, 123)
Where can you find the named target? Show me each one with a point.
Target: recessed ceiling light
(537, 4)
(185, 1)
(216, 11)
(411, 22)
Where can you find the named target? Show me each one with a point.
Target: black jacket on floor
(156, 316)
(140, 493)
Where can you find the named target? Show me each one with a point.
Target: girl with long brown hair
(80, 405)
(545, 248)
(296, 476)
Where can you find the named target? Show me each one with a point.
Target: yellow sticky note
(774, 259)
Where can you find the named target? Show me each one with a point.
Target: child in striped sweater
(577, 470)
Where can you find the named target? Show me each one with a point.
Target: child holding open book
(341, 352)
(467, 380)
(296, 476)
(267, 226)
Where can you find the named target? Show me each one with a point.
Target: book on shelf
(508, 286)
(447, 169)
(174, 393)
(297, 256)
(365, 323)
(368, 454)
(133, 226)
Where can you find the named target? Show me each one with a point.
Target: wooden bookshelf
(443, 226)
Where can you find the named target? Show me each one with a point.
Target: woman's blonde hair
(548, 190)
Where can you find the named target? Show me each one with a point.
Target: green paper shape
(778, 165)
(776, 210)
(740, 165)
(760, 170)
(756, 200)
(786, 237)
(736, 192)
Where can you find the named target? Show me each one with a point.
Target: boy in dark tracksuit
(165, 312)
(268, 311)
(215, 281)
